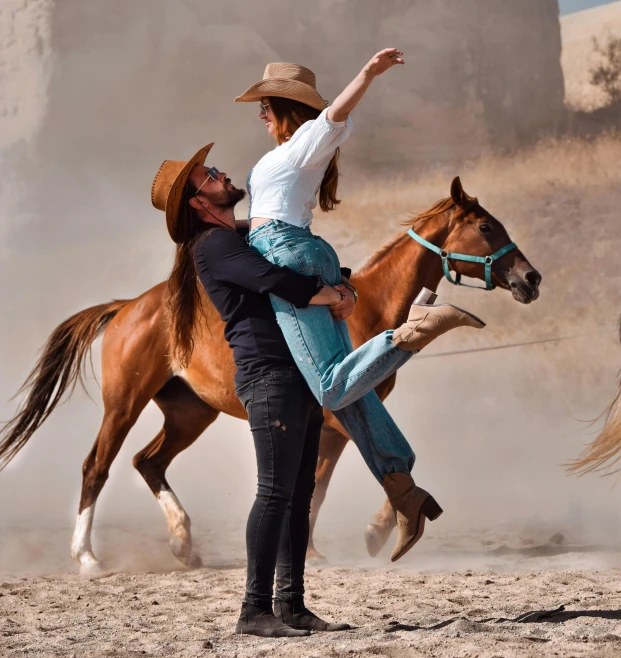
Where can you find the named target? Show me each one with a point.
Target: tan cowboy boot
(411, 505)
(426, 322)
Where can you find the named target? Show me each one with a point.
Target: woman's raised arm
(347, 100)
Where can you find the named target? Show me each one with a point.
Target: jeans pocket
(332, 253)
(305, 256)
(261, 243)
(290, 375)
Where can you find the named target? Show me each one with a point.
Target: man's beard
(227, 198)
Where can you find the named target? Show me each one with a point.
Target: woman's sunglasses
(263, 108)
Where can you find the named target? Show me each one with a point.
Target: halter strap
(448, 255)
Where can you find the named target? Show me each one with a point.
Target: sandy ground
(516, 598)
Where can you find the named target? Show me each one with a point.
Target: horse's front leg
(331, 447)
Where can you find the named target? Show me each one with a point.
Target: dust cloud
(104, 106)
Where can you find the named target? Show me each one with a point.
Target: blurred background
(522, 100)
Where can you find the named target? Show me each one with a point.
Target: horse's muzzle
(525, 286)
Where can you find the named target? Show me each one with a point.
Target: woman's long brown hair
(290, 115)
(184, 298)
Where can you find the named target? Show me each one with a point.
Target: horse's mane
(438, 208)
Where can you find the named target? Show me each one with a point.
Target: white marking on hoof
(93, 570)
(81, 549)
(180, 549)
(376, 537)
(178, 521)
(372, 540)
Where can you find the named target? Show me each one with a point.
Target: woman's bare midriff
(255, 222)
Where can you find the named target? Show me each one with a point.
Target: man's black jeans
(285, 420)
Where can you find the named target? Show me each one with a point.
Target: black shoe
(295, 614)
(255, 620)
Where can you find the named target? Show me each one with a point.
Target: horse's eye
(485, 228)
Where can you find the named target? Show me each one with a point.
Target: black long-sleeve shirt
(237, 277)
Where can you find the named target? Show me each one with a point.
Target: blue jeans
(342, 379)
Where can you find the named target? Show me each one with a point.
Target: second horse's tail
(604, 452)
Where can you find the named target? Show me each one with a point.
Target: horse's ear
(457, 192)
(459, 196)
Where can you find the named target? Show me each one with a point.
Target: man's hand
(345, 307)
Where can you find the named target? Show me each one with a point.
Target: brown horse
(604, 452)
(136, 366)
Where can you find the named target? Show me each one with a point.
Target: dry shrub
(606, 74)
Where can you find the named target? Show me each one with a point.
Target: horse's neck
(388, 284)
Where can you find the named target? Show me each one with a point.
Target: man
(285, 419)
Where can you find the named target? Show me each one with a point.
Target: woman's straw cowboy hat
(285, 81)
(167, 189)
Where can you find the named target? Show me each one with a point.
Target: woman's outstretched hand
(347, 100)
(383, 61)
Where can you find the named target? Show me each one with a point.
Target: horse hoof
(182, 550)
(374, 539)
(195, 561)
(315, 559)
(94, 570)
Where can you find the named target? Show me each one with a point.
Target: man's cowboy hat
(285, 81)
(167, 189)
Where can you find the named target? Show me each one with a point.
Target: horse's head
(473, 231)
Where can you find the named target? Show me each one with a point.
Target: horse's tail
(59, 368)
(604, 452)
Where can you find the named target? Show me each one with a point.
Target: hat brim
(175, 196)
(283, 88)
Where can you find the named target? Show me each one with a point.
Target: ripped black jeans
(285, 420)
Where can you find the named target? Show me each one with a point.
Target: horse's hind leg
(117, 422)
(186, 417)
(134, 367)
(331, 448)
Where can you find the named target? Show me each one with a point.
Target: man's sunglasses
(212, 173)
(263, 108)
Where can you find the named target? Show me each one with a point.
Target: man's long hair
(290, 115)
(184, 299)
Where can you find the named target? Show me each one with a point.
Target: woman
(283, 189)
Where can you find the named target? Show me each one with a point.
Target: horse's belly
(217, 391)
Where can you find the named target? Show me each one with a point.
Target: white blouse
(284, 183)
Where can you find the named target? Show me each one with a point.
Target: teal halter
(446, 255)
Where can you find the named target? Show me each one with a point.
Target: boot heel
(431, 509)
